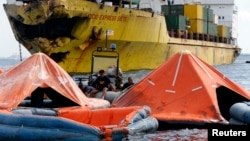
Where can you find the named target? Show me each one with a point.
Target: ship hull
(69, 32)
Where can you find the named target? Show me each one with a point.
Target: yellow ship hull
(141, 37)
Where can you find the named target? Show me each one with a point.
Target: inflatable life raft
(110, 96)
(240, 113)
(75, 123)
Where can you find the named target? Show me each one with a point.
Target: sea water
(237, 72)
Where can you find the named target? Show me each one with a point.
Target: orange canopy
(40, 71)
(1, 70)
(185, 88)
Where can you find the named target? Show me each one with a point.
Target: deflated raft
(75, 123)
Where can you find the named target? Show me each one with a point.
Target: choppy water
(238, 72)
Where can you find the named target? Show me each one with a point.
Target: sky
(10, 47)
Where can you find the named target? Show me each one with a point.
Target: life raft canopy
(1, 70)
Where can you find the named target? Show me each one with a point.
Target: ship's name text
(108, 17)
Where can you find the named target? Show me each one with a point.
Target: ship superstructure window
(221, 17)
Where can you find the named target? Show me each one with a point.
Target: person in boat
(128, 84)
(86, 89)
(115, 72)
(101, 83)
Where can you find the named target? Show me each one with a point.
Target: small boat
(37, 97)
